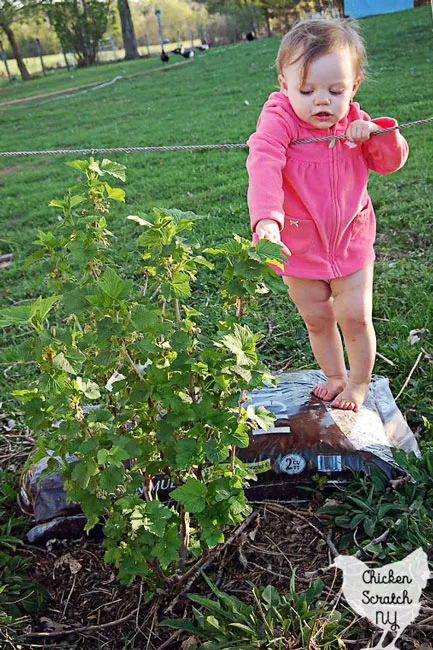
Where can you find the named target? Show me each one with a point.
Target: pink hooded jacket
(317, 194)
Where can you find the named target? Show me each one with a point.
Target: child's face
(324, 97)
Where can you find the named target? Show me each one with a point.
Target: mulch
(89, 609)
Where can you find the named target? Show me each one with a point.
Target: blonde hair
(312, 38)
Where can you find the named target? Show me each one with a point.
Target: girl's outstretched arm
(386, 152)
(266, 162)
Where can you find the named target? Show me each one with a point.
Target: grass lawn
(108, 61)
(217, 98)
(60, 80)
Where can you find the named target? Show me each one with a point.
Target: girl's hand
(268, 229)
(360, 130)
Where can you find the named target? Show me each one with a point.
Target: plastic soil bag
(308, 438)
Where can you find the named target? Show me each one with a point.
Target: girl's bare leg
(314, 301)
(353, 298)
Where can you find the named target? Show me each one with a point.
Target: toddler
(312, 198)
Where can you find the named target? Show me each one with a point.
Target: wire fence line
(191, 147)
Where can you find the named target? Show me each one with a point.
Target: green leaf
(180, 341)
(271, 596)
(117, 456)
(82, 165)
(180, 284)
(166, 549)
(357, 519)
(142, 318)
(211, 535)
(245, 628)
(139, 220)
(369, 527)
(42, 306)
(115, 193)
(158, 516)
(75, 301)
(34, 257)
(112, 284)
(111, 477)
(239, 437)
(179, 217)
(242, 372)
(179, 624)
(314, 590)
(54, 203)
(100, 415)
(16, 315)
(213, 623)
(114, 169)
(94, 166)
(60, 362)
(199, 259)
(102, 456)
(231, 248)
(188, 452)
(267, 251)
(216, 451)
(191, 495)
(261, 416)
(88, 387)
(76, 200)
(242, 343)
(213, 251)
(83, 471)
(71, 362)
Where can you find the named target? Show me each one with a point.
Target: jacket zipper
(333, 238)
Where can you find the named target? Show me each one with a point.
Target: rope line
(342, 136)
(191, 147)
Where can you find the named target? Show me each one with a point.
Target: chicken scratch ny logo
(388, 596)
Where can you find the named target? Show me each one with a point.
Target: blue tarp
(361, 8)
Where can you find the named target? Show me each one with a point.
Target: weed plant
(386, 522)
(271, 621)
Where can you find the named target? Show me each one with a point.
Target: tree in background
(256, 15)
(11, 12)
(179, 18)
(128, 33)
(243, 15)
(80, 25)
(287, 12)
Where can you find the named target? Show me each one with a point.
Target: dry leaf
(414, 335)
(190, 642)
(73, 564)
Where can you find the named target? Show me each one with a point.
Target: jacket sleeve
(265, 163)
(385, 152)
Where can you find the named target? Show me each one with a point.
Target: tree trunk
(25, 76)
(128, 34)
(268, 21)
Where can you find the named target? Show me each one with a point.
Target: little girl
(312, 198)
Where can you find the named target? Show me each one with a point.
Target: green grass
(204, 102)
(109, 65)
(56, 80)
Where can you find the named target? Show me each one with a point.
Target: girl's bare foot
(330, 388)
(352, 397)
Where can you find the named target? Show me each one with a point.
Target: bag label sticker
(292, 464)
(260, 466)
(329, 463)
